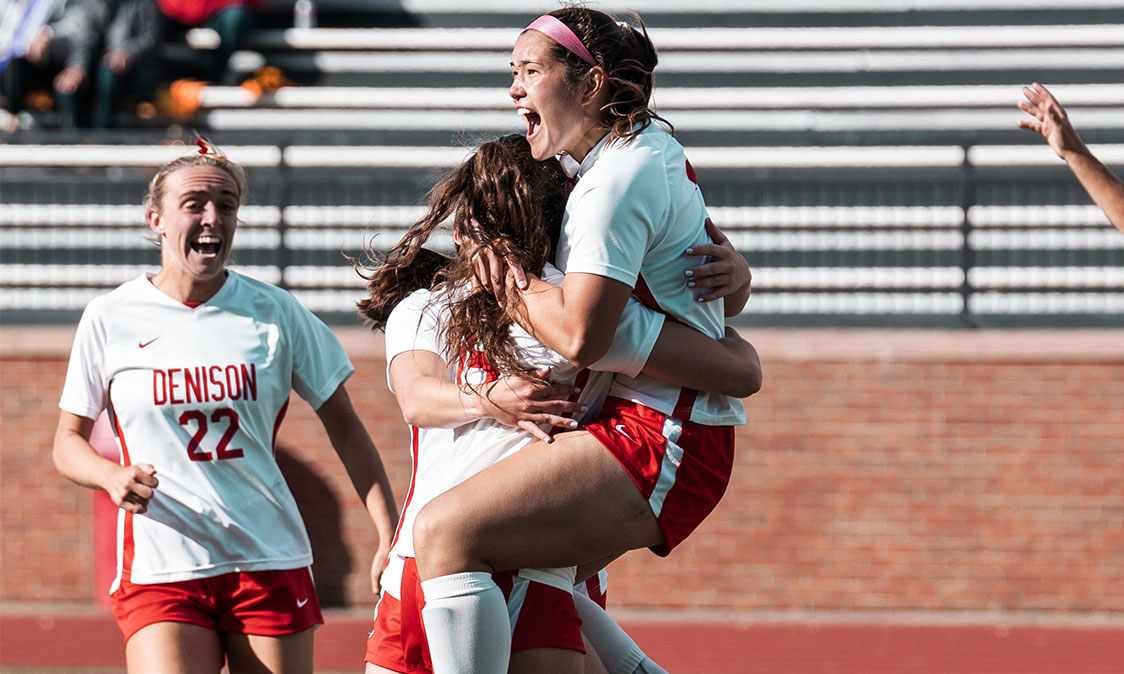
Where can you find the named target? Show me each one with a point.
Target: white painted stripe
(329, 300)
(48, 299)
(127, 155)
(1052, 215)
(362, 216)
(958, 60)
(749, 217)
(857, 277)
(834, 156)
(104, 274)
(333, 239)
(1040, 154)
(1046, 239)
(669, 466)
(842, 37)
(375, 156)
(1042, 277)
(132, 238)
(64, 215)
(71, 274)
(764, 278)
(846, 241)
(318, 277)
(701, 157)
(727, 6)
(1047, 303)
(855, 303)
(672, 98)
(779, 61)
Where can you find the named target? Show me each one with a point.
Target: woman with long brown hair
(658, 459)
(459, 364)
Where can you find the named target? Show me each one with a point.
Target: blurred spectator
(125, 69)
(58, 56)
(230, 19)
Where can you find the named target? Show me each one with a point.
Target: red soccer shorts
(269, 603)
(681, 467)
(546, 619)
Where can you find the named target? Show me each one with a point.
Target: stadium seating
(865, 161)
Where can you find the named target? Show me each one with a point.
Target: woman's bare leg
(173, 648)
(546, 506)
(257, 654)
(553, 505)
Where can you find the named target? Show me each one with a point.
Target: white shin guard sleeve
(618, 652)
(466, 624)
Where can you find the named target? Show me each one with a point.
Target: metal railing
(940, 236)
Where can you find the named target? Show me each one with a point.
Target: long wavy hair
(628, 57)
(499, 197)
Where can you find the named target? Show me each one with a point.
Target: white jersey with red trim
(443, 458)
(634, 211)
(199, 394)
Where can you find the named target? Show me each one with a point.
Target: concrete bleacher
(866, 160)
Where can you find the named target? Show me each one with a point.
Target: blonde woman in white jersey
(447, 345)
(195, 365)
(659, 458)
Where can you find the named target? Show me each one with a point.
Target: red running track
(73, 640)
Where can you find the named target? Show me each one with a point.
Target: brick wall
(930, 471)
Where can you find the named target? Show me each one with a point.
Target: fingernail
(573, 424)
(690, 251)
(585, 408)
(700, 300)
(577, 389)
(690, 284)
(689, 273)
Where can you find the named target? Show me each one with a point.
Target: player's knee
(437, 545)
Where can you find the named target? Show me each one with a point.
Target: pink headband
(561, 33)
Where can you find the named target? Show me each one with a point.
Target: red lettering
(233, 386)
(191, 385)
(159, 387)
(231, 417)
(193, 451)
(250, 382)
(172, 386)
(215, 374)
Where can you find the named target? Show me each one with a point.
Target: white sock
(466, 624)
(618, 652)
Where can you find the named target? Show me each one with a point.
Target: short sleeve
(320, 363)
(84, 390)
(637, 331)
(613, 217)
(413, 325)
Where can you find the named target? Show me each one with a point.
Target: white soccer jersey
(200, 394)
(634, 211)
(443, 458)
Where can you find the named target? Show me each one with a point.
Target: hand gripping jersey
(443, 458)
(200, 394)
(634, 211)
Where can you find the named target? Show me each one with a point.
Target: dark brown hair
(627, 56)
(499, 197)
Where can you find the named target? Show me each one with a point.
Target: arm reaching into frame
(1052, 123)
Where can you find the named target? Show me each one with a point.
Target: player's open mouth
(207, 245)
(533, 120)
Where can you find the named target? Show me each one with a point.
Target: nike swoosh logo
(621, 429)
(301, 603)
(144, 344)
